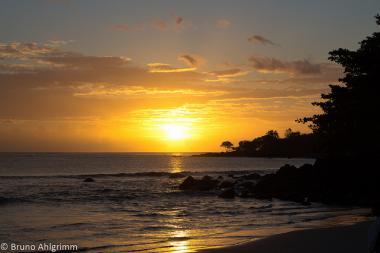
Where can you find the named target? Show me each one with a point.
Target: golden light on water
(176, 163)
(179, 242)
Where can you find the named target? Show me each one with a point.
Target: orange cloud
(223, 23)
(128, 28)
(226, 75)
(166, 68)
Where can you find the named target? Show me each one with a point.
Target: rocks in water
(227, 193)
(226, 184)
(207, 183)
(330, 181)
(88, 180)
(253, 176)
(177, 175)
(188, 183)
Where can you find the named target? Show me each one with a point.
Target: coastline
(237, 154)
(340, 239)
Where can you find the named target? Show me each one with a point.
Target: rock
(286, 170)
(177, 175)
(188, 183)
(206, 178)
(207, 183)
(253, 176)
(227, 194)
(306, 202)
(245, 194)
(226, 184)
(246, 185)
(89, 180)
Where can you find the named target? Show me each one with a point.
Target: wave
(11, 200)
(144, 174)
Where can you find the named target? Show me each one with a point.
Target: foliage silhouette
(227, 145)
(294, 144)
(348, 126)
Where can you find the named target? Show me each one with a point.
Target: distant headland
(292, 145)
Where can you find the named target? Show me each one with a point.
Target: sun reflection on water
(179, 242)
(176, 163)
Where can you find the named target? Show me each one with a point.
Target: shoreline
(339, 239)
(234, 154)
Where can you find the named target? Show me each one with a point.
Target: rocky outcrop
(330, 181)
(227, 193)
(206, 183)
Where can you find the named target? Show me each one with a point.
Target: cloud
(257, 39)
(175, 23)
(76, 85)
(273, 65)
(192, 60)
(160, 24)
(229, 73)
(226, 75)
(178, 20)
(82, 62)
(166, 68)
(223, 24)
(22, 50)
(106, 90)
(128, 28)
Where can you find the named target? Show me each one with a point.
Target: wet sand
(344, 239)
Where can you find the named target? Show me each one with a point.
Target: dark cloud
(257, 39)
(270, 65)
(192, 60)
(178, 20)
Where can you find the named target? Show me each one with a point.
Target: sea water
(134, 205)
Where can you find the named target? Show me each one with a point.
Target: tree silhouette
(290, 134)
(227, 145)
(348, 125)
(273, 134)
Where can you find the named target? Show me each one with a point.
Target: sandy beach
(344, 239)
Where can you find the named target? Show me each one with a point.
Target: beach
(344, 239)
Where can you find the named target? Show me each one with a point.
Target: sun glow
(175, 131)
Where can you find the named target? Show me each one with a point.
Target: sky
(166, 76)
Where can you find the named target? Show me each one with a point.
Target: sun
(175, 132)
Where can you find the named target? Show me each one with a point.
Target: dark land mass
(327, 181)
(345, 140)
(294, 144)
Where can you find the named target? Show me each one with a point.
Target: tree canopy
(349, 124)
(227, 145)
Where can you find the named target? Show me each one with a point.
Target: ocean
(134, 205)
